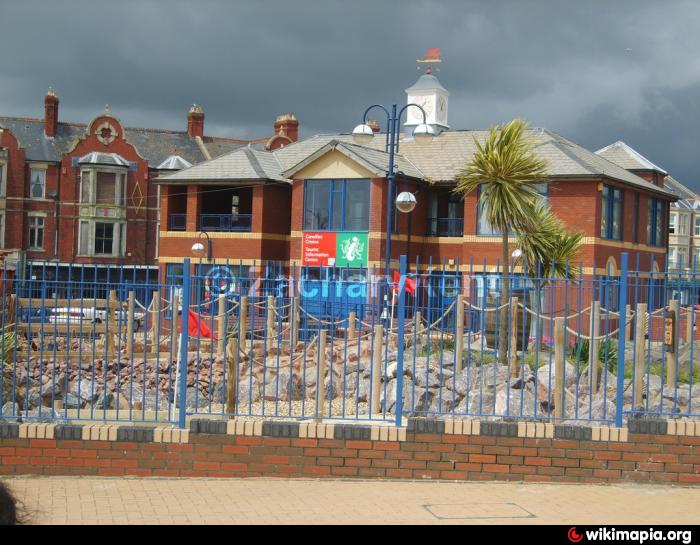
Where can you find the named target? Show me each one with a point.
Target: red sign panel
(317, 249)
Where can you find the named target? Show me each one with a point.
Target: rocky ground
(279, 383)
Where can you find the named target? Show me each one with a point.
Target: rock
(10, 409)
(543, 375)
(416, 399)
(283, 387)
(333, 387)
(155, 401)
(679, 396)
(514, 403)
(72, 401)
(104, 401)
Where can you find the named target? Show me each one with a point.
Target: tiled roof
(439, 161)
(688, 200)
(626, 157)
(154, 145)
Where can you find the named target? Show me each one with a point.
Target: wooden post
(270, 321)
(559, 361)
(243, 323)
(321, 379)
(155, 321)
(221, 325)
(459, 332)
(627, 324)
(639, 330)
(111, 322)
(593, 362)
(295, 323)
(352, 318)
(232, 358)
(671, 356)
(377, 371)
(513, 362)
(130, 325)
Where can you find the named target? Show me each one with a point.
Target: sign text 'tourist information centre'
(329, 248)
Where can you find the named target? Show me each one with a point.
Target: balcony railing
(445, 227)
(178, 222)
(225, 222)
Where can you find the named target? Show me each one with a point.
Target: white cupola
(428, 93)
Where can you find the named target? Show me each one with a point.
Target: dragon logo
(352, 249)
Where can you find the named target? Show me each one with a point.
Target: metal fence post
(621, 341)
(184, 341)
(399, 341)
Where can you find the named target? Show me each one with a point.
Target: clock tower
(428, 93)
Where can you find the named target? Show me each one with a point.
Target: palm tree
(548, 250)
(506, 170)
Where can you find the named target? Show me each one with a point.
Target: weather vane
(432, 56)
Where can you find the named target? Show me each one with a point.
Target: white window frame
(118, 238)
(672, 223)
(30, 217)
(32, 169)
(683, 224)
(697, 226)
(120, 191)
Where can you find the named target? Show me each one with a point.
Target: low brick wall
(463, 450)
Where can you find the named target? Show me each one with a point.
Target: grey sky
(595, 71)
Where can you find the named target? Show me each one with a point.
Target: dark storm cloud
(595, 71)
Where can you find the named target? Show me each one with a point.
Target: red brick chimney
(195, 121)
(287, 125)
(50, 113)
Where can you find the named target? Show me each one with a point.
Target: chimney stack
(287, 125)
(195, 121)
(50, 113)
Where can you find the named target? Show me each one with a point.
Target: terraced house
(321, 201)
(83, 194)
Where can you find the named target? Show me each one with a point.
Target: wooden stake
(593, 362)
(689, 318)
(295, 323)
(270, 321)
(243, 323)
(352, 318)
(321, 379)
(513, 362)
(232, 359)
(639, 331)
(111, 322)
(377, 371)
(459, 332)
(155, 321)
(628, 323)
(130, 326)
(221, 325)
(559, 357)
(671, 356)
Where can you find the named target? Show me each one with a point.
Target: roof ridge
(633, 153)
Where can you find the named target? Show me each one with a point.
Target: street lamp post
(199, 249)
(363, 134)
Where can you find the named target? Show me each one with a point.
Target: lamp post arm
(401, 111)
(388, 121)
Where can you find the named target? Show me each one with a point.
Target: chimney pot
(195, 121)
(50, 113)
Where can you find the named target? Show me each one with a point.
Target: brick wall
(427, 454)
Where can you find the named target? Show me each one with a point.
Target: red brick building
(83, 194)
(322, 201)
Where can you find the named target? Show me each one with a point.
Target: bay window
(483, 227)
(104, 188)
(336, 205)
(102, 238)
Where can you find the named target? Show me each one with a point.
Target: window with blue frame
(336, 205)
(655, 222)
(611, 213)
(483, 227)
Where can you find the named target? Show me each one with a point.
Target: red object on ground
(197, 327)
(410, 283)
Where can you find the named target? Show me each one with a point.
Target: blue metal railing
(225, 222)
(61, 364)
(177, 222)
(445, 227)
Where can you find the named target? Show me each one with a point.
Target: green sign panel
(351, 249)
